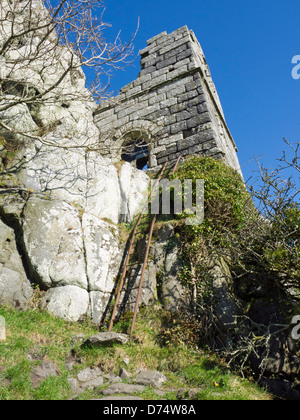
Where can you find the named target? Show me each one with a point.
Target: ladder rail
(128, 257)
(142, 276)
(145, 264)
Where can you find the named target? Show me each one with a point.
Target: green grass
(38, 334)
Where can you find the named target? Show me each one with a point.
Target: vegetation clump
(186, 369)
(255, 233)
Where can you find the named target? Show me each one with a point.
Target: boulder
(90, 378)
(74, 385)
(62, 173)
(53, 243)
(65, 248)
(11, 208)
(88, 374)
(227, 306)
(77, 339)
(121, 388)
(112, 378)
(98, 304)
(124, 374)
(64, 118)
(60, 158)
(149, 290)
(68, 302)
(150, 378)
(15, 288)
(102, 188)
(101, 252)
(42, 372)
(74, 254)
(133, 189)
(165, 253)
(106, 338)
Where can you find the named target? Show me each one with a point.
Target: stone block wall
(173, 106)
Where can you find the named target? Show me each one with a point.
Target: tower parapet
(171, 109)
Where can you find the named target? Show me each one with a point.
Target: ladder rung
(127, 264)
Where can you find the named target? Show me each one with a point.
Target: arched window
(135, 149)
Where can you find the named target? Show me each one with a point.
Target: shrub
(225, 197)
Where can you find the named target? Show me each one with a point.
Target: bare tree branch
(44, 45)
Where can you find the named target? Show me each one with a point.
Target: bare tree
(274, 189)
(258, 249)
(44, 46)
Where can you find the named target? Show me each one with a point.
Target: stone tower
(171, 109)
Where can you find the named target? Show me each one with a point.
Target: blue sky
(249, 47)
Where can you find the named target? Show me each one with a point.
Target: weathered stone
(121, 388)
(124, 374)
(98, 304)
(111, 378)
(67, 107)
(172, 294)
(126, 360)
(149, 293)
(227, 306)
(167, 62)
(42, 372)
(90, 378)
(198, 120)
(115, 380)
(68, 302)
(178, 127)
(133, 189)
(168, 264)
(195, 149)
(11, 206)
(150, 378)
(53, 243)
(4, 382)
(106, 338)
(88, 374)
(78, 255)
(156, 38)
(74, 385)
(102, 185)
(75, 339)
(15, 289)
(102, 253)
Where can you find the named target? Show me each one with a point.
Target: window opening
(135, 150)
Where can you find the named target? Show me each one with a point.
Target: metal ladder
(126, 264)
